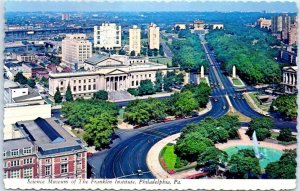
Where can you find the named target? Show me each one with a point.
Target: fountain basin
(267, 154)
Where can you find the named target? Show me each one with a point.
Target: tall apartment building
(135, 40)
(153, 36)
(107, 36)
(65, 17)
(75, 50)
(281, 24)
(292, 35)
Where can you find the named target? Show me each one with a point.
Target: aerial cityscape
(177, 93)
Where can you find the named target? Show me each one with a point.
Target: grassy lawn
(203, 80)
(274, 135)
(78, 133)
(169, 156)
(249, 102)
(264, 107)
(241, 117)
(237, 82)
(162, 60)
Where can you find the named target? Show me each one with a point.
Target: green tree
(262, 126)
(133, 91)
(101, 94)
(57, 96)
(243, 165)
(213, 158)
(158, 81)
(69, 95)
(146, 87)
(285, 135)
(185, 104)
(98, 130)
(137, 112)
(191, 146)
(201, 94)
(285, 168)
(161, 50)
(20, 78)
(31, 83)
(286, 105)
(150, 52)
(122, 52)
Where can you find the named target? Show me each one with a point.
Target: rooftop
(50, 137)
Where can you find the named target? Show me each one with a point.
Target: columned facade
(290, 79)
(116, 83)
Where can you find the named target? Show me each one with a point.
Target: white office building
(135, 40)
(75, 50)
(107, 36)
(153, 36)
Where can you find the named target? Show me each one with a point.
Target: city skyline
(148, 6)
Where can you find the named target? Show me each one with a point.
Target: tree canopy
(57, 96)
(262, 126)
(286, 105)
(249, 49)
(146, 87)
(285, 168)
(69, 96)
(101, 94)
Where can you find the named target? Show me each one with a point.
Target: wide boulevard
(128, 153)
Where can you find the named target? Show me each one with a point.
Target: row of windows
(17, 162)
(79, 81)
(16, 152)
(27, 173)
(84, 88)
(136, 76)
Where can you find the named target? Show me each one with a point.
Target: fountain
(255, 145)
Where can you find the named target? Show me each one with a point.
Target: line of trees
(140, 112)
(286, 105)
(188, 53)
(250, 50)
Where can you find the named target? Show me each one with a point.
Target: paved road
(129, 151)
(167, 50)
(124, 159)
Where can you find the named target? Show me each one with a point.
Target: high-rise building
(281, 24)
(292, 36)
(65, 17)
(153, 36)
(135, 40)
(75, 50)
(107, 36)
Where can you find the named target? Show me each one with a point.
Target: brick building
(46, 150)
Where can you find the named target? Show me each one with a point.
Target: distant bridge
(31, 34)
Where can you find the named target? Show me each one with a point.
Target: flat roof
(50, 137)
(19, 143)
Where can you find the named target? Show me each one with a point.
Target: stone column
(294, 79)
(187, 78)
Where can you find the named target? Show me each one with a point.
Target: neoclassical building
(105, 72)
(289, 74)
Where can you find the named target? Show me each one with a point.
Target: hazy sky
(151, 6)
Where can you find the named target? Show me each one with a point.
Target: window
(61, 83)
(149, 75)
(4, 154)
(47, 161)
(63, 159)
(14, 163)
(137, 83)
(47, 170)
(28, 161)
(84, 87)
(15, 152)
(74, 81)
(27, 151)
(74, 88)
(5, 164)
(64, 168)
(27, 173)
(89, 87)
(15, 174)
(79, 88)
(89, 80)
(94, 86)
(78, 155)
(94, 80)
(83, 81)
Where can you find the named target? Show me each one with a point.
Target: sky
(147, 6)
